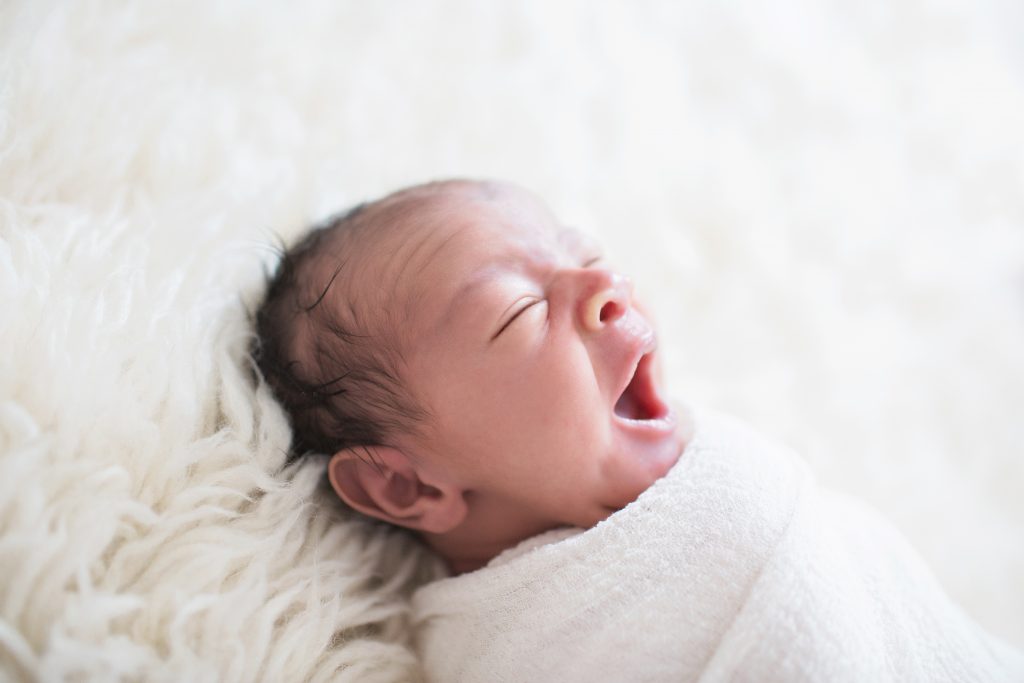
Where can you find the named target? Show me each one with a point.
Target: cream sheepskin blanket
(733, 567)
(821, 200)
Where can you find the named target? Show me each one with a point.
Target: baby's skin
(534, 362)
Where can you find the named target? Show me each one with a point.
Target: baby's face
(534, 361)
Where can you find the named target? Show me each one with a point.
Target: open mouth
(640, 400)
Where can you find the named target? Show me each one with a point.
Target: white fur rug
(824, 201)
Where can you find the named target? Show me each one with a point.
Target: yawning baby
(477, 372)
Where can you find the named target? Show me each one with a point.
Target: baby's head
(473, 368)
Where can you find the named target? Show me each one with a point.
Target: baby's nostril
(609, 311)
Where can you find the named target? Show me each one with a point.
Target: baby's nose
(607, 302)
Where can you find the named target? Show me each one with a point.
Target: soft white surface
(823, 201)
(735, 566)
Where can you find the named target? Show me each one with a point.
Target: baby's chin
(650, 451)
(671, 449)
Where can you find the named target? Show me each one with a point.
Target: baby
(475, 369)
(477, 373)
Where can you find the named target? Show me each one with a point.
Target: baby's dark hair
(333, 366)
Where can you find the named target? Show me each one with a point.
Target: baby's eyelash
(514, 316)
(592, 261)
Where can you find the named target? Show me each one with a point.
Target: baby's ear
(382, 482)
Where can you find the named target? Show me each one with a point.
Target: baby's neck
(462, 560)
(483, 536)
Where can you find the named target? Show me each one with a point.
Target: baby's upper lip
(642, 342)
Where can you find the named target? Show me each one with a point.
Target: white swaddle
(734, 566)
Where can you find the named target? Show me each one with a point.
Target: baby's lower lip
(652, 428)
(657, 443)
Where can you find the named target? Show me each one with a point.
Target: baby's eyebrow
(465, 291)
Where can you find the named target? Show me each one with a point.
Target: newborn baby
(476, 370)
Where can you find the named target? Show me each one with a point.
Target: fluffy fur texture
(822, 201)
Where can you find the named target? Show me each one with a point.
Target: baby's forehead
(472, 233)
(361, 267)
(459, 233)
(416, 245)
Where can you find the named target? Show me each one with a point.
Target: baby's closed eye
(529, 303)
